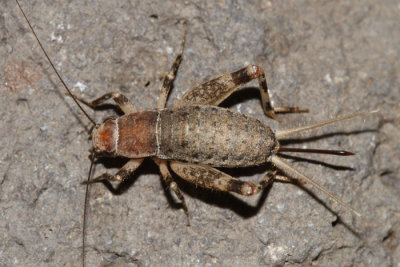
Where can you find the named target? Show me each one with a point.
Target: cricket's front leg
(122, 102)
(217, 90)
(123, 174)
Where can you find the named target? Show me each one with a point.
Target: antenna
(52, 65)
(85, 207)
(84, 112)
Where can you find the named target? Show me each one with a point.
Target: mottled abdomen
(214, 136)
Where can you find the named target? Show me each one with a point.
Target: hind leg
(217, 90)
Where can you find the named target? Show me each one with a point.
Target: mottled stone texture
(333, 57)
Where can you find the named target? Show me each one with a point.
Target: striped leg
(208, 177)
(122, 102)
(163, 165)
(170, 77)
(217, 90)
(124, 173)
(162, 102)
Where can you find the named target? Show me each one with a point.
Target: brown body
(197, 134)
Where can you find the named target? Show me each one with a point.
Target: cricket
(195, 136)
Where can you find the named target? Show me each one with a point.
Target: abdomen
(214, 136)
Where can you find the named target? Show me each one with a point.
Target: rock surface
(332, 57)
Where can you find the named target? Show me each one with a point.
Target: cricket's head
(105, 137)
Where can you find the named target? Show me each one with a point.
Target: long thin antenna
(317, 151)
(292, 172)
(84, 112)
(279, 134)
(52, 65)
(85, 212)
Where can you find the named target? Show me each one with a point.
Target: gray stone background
(334, 57)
